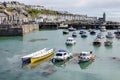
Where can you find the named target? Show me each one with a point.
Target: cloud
(89, 7)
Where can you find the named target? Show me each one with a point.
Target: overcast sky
(89, 7)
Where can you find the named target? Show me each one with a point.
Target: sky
(92, 8)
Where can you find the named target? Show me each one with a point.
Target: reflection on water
(60, 63)
(108, 47)
(70, 47)
(84, 65)
(19, 38)
(34, 40)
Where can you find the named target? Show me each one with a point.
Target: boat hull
(83, 36)
(26, 60)
(65, 32)
(92, 33)
(97, 43)
(33, 60)
(108, 43)
(74, 35)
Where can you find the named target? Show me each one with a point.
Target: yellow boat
(33, 65)
(42, 55)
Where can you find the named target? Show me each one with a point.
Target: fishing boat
(71, 29)
(103, 29)
(97, 42)
(117, 35)
(100, 35)
(84, 35)
(28, 57)
(118, 31)
(42, 55)
(89, 30)
(70, 41)
(92, 32)
(74, 34)
(82, 32)
(86, 56)
(110, 35)
(108, 42)
(62, 55)
(65, 32)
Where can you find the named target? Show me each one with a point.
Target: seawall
(17, 30)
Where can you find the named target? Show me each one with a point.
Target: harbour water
(106, 65)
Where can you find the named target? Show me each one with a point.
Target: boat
(63, 26)
(118, 31)
(26, 59)
(117, 35)
(74, 34)
(33, 65)
(89, 30)
(97, 42)
(70, 41)
(110, 35)
(86, 56)
(92, 32)
(82, 32)
(108, 42)
(84, 35)
(42, 55)
(61, 55)
(100, 36)
(65, 32)
(103, 29)
(71, 29)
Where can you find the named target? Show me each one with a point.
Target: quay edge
(17, 30)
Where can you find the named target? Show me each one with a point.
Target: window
(58, 54)
(64, 53)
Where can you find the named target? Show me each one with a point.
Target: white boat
(100, 35)
(29, 56)
(110, 35)
(108, 42)
(86, 56)
(65, 32)
(71, 29)
(70, 41)
(103, 29)
(62, 55)
(42, 55)
(74, 34)
(82, 32)
(97, 42)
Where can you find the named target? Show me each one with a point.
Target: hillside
(33, 12)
